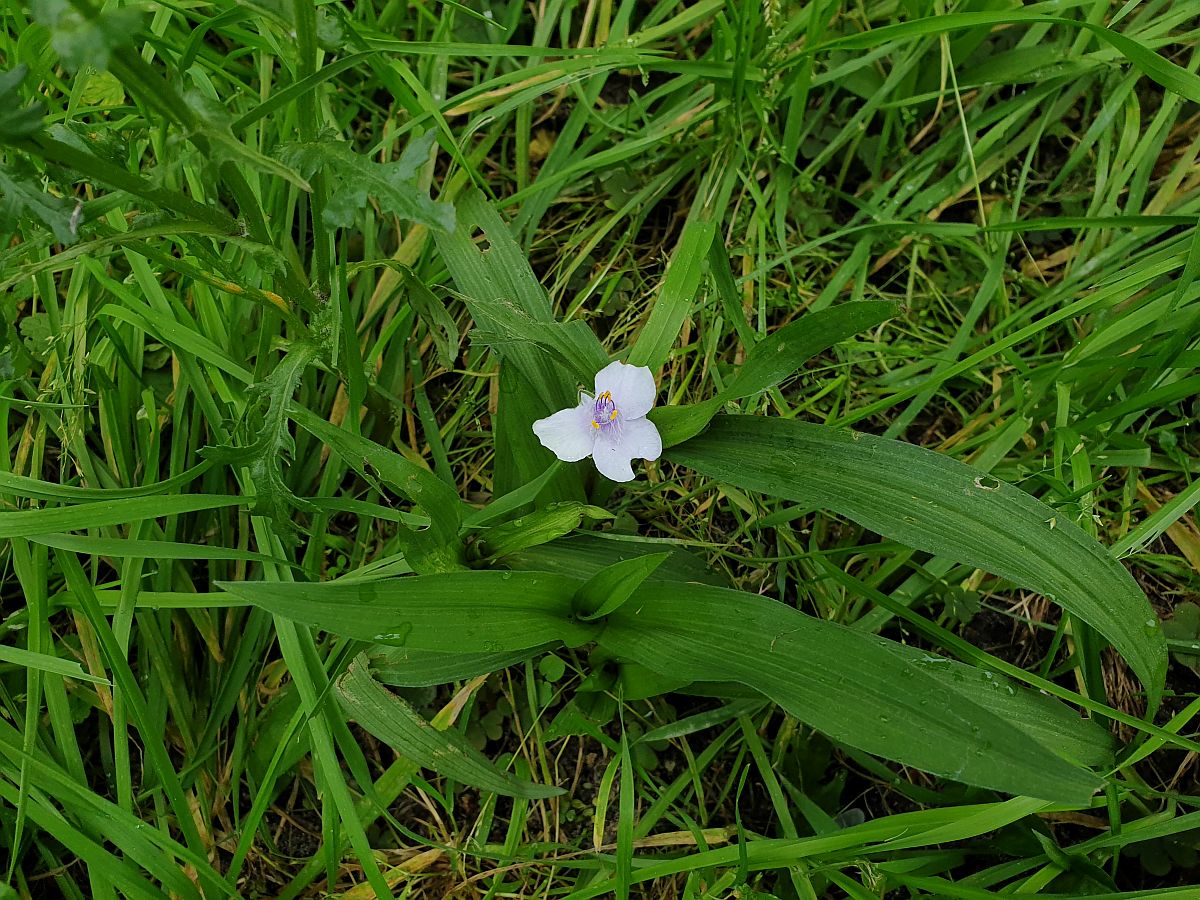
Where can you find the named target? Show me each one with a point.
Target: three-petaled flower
(610, 427)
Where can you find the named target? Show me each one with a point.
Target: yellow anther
(612, 415)
(595, 424)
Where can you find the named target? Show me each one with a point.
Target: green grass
(238, 360)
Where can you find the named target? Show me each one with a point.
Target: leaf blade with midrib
(933, 503)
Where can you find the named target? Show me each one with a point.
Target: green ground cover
(294, 603)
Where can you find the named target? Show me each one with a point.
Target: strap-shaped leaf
(532, 383)
(847, 684)
(773, 359)
(435, 550)
(459, 612)
(406, 667)
(447, 752)
(931, 502)
(76, 516)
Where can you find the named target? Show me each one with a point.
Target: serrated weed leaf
(214, 126)
(23, 197)
(271, 445)
(355, 179)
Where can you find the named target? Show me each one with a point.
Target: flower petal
(636, 439)
(640, 438)
(611, 459)
(568, 434)
(632, 388)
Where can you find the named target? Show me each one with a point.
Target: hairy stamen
(604, 411)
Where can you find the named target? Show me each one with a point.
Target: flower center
(604, 412)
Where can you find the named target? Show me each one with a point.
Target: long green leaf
(782, 352)
(123, 547)
(24, 486)
(1166, 73)
(678, 292)
(1052, 724)
(461, 612)
(933, 503)
(114, 512)
(532, 385)
(772, 360)
(447, 752)
(43, 662)
(406, 667)
(356, 178)
(849, 685)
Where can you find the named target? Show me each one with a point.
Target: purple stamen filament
(604, 412)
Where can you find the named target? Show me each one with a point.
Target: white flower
(611, 427)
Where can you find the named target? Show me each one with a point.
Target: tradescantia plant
(233, 310)
(493, 586)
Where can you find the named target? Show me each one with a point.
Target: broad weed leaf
(857, 688)
(81, 40)
(22, 196)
